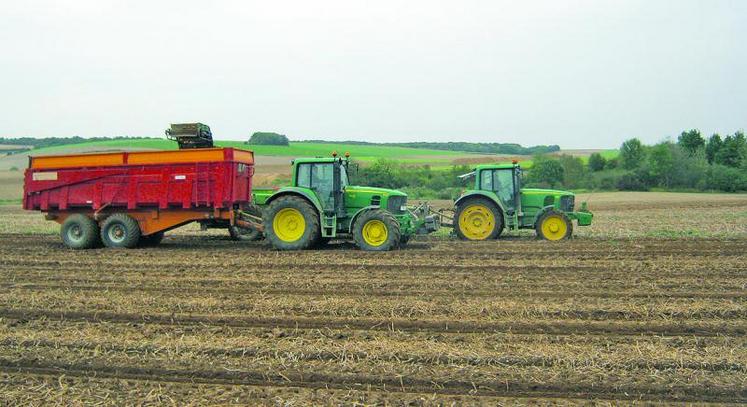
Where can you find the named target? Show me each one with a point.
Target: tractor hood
(542, 191)
(353, 189)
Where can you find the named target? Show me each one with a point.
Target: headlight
(403, 208)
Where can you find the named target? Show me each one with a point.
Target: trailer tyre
(554, 225)
(120, 230)
(152, 240)
(80, 232)
(291, 223)
(246, 234)
(377, 230)
(478, 219)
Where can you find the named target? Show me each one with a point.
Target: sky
(580, 74)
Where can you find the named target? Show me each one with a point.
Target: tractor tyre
(291, 223)
(554, 225)
(244, 234)
(80, 232)
(247, 234)
(377, 230)
(120, 231)
(478, 219)
(152, 240)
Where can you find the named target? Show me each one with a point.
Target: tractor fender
(483, 194)
(542, 212)
(311, 198)
(360, 211)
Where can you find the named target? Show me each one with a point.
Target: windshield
(343, 177)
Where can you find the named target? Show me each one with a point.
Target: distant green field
(295, 149)
(437, 158)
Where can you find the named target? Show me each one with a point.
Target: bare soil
(603, 318)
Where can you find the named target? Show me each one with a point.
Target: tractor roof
(315, 160)
(495, 166)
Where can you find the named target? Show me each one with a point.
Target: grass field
(621, 314)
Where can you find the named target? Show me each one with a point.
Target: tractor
(320, 205)
(498, 202)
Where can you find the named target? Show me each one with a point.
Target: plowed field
(202, 319)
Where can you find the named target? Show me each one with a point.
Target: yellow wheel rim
(554, 228)
(289, 225)
(477, 222)
(375, 233)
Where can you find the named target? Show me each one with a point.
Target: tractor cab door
(327, 182)
(503, 183)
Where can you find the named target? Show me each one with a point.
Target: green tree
(268, 138)
(597, 162)
(546, 172)
(732, 151)
(574, 171)
(631, 154)
(661, 163)
(712, 147)
(691, 141)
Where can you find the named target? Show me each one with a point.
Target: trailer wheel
(80, 232)
(478, 219)
(244, 234)
(554, 225)
(120, 230)
(151, 240)
(377, 230)
(291, 223)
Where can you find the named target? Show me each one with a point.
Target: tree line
(691, 163)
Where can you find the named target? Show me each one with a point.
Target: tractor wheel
(377, 230)
(291, 223)
(80, 232)
(478, 219)
(244, 234)
(554, 225)
(247, 234)
(152, 240)
(120, 230)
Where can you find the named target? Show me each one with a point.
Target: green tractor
(498, 202)
(320, 205)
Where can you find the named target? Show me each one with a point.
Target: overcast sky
(574, 73)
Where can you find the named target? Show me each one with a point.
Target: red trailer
(125, 199)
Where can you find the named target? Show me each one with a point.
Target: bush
(546, 172)
(14, 168)
(266, 138)
(727, 179)
(596, 162)
(633, 181)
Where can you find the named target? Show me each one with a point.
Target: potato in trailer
(126, 199)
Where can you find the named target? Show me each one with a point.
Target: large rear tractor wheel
(80, 232)
(377, 230)
(554, 225)
(291, 223)
(152, 240)
(478, 219)
(120, 231)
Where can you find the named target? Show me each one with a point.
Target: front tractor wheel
(377, 230)
(478, 219)
(554, 225)
(291, 223)
(120, 231)
(80, 232)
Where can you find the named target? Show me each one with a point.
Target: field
(634, 309)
